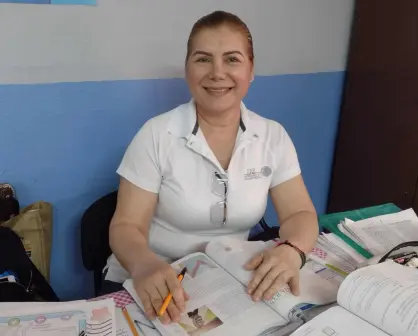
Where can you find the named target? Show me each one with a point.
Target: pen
(169, 297)
(130, 323)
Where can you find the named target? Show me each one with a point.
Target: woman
(205, 169)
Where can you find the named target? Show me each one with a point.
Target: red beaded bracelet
(301, 253)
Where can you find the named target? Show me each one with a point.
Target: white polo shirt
(170, 156)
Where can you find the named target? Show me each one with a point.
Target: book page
(337, 321)
(385, 295)
(64, 319)
(218, 305)
(318, 284)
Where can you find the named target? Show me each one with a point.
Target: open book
(377, 300)
(219, 304)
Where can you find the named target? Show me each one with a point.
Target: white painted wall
(131, 39)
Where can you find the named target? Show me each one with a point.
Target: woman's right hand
(153, 280)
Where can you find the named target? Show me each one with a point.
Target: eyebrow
(201, 52)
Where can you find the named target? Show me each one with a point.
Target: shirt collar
(183, 122)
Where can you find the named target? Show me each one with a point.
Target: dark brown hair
(217, 19)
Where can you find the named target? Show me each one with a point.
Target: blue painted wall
(63, 142)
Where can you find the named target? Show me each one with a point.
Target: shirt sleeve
(286, 159)
(140, 164)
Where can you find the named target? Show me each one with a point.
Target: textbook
(216, 282)
(376, 300)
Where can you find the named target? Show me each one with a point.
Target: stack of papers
(378, 235)
(332, 252)
(382, 233)
(75, 318)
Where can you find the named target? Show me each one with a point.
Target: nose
(217, 70)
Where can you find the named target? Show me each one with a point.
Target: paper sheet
(53, 2)
(64, 319)
(8, 306)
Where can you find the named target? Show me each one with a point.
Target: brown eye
(202, 60)
(233, 59)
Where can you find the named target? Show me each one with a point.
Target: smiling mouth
(218, 90)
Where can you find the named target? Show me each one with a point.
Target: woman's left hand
(273, 269)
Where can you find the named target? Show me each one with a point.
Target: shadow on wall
(63, 142)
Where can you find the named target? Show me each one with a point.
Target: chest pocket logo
(253, 174)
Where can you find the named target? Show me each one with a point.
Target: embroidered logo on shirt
(252, 174)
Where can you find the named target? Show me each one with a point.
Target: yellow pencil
(130, 322)
(169, 297)
(336, 269)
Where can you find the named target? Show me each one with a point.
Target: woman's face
(219, 70)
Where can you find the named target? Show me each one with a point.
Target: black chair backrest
(95, 247)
